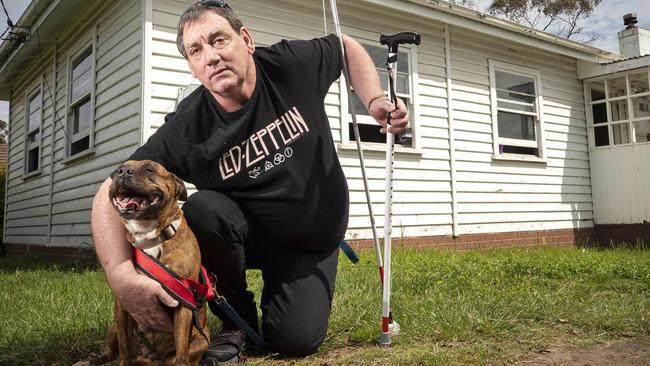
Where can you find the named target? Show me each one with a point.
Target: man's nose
(212, 56)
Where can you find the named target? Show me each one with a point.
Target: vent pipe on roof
(633, 41)
(630, 20)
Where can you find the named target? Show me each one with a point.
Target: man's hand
(398, 116)
(144, 298)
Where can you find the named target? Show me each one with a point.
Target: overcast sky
(608, 18)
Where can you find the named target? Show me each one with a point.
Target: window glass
(617, 87)
(621, 133)
(597, 90)
(518, 119)
(641, 106)
(81, 75)
(79, 146)
(515, 83)
(642, 131)
(81, 116)
(619, 110)
(516, 126)
(32, 160)
(639, 83)
(34, 120)
(599, 113)
(369, 130)
(601, 134)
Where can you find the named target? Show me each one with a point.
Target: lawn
(489, 307)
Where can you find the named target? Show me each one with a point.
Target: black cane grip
(394, 40)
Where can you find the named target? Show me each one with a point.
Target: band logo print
(264, 143)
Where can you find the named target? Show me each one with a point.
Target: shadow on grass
(60, 348)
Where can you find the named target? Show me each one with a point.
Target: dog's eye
(148, 169)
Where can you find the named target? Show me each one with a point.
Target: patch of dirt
(629, 352)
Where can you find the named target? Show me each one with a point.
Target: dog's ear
(181, 191)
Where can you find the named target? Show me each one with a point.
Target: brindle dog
(145, 196)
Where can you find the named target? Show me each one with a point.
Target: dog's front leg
(182, 330)
(122, 328)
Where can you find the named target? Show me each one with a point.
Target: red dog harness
(191, 294)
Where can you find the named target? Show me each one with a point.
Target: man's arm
(140, 295)
(365, 81)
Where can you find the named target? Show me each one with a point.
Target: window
(80, 112)
(368, 127)
(619, 108)
(32, 133)
(516, 102)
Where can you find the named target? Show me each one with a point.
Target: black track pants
(298, 285)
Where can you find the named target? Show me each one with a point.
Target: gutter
(471, 19)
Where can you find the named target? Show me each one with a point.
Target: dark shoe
(225, 347)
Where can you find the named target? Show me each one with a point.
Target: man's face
(217, 55)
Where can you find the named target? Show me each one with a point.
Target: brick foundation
(564, 237)
(65, 254)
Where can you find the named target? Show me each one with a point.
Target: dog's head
(145, 190)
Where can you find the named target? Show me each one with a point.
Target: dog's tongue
(128, 203)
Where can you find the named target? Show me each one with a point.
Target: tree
(3, 132)
(564, 18)
(465, 3)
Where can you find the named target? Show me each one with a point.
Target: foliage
(465, 3)
(565, 18)
(3, 132)
(2, 200)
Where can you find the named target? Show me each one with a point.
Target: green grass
(489, 307)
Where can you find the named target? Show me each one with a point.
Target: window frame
(38, 90)
(629, 98)
(346, 116)
(71, 105)
(538, 116)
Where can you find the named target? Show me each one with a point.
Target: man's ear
(248, 39)
(181, 191)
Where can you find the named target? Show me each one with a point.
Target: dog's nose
(124, 172)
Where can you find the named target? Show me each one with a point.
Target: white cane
(355, 127)
(393, 42)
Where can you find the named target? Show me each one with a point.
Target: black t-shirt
(275, 156)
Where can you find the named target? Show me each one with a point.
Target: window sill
(519, 157)
(78, 157)
(34, 174)
(377, 147)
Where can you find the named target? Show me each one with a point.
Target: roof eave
(475, 20)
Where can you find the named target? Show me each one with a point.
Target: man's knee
(212, 214)
(295, 341)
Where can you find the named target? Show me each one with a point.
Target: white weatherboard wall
(499, 196)
(492, 196)
(621, 177)
(66, 188)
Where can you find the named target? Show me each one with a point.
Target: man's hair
(196, 12)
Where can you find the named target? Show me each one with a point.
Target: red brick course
(564, 237)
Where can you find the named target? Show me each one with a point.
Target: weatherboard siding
(495, 195)
(492, 195)
(621, 180)
(55, 204)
